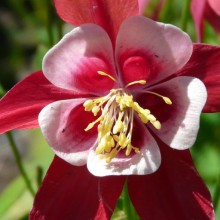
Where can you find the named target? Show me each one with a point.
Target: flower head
(145, 67)
(130, 97)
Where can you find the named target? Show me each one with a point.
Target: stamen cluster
(116, 122)
(116, 119)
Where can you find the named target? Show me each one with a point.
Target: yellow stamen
(166, 99)
(128, 150)
(105, 74)
(157, 125)
(136, 82)
(88, 104)
(95, 110)
(118, 127)
(115, 123)
(91, 125)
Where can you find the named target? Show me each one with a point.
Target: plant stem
(39, 175)
(185, 12)
(19, 162)
(49, 24)
(59, 24)
(166, 11)
(216, 195)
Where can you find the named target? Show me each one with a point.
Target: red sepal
(175, 191)
(70, 192)
(204, 64)
(108, 14)
(20, 107)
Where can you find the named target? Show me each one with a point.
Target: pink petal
(73, 63)
(175, 191)
(215, 5)
(21, 105)
(63, 124)
(204, 64)
(213, 18)
(188, 96)
(142, 5)
(197, 11)
(108, 14)
(70, 192)
(144, 163)
(150, 51)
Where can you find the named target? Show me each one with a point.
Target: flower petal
(215, 5)
(175, 191)
(108, 14)
(21, 105)
(142, 5)
(213, 17)
(151, 51)
(70, 192)
(197, 11)
(144, 163)
(63, 124)
(204, 64)
(188, 96)
(73, 63)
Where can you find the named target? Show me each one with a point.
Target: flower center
(115, 123)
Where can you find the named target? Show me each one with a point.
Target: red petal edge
(204, 64)
(108, 14)
(20, 107)
(70, 192)
(175, 191)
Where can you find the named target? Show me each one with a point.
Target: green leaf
(15, 200)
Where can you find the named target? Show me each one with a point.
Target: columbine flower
(125, 97)
(175, 190)
(205, 10)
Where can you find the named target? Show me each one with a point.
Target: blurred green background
(28, 28)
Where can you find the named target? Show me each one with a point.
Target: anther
(157, 125)
(105, 74)
(91, 125)
(88, 104)
(142, 82)
(166, 99)
(95, 110)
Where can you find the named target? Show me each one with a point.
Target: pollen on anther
(95, 110)
(167, 100)
(157, 125)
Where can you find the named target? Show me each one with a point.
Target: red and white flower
(128, 94)
(161, 56)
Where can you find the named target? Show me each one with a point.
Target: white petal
(73, 62)
(63, 123)
(148, 161)
(180, 130)
(164, 47)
